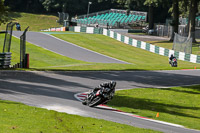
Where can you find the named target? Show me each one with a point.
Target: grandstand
(114, 18)
(184, 21)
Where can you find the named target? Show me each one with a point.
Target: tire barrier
(5, 60)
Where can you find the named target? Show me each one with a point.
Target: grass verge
(42, 59)
(20, 118)
(139, 59)
(178, 105)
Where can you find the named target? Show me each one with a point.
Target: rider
(107, 86)
(18, 27)
(110, 85)
(171, 58)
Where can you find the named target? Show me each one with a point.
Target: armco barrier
(139, 44)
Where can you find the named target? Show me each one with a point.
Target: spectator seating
(112, 18)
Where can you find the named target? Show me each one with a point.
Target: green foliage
(70, 6)
(154, 3)
(33, 6)
(3, 12)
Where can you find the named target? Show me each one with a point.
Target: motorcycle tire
(84, 102)
(96, 101)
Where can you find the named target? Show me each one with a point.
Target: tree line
(158, 10)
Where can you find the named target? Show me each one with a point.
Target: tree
(193, 9)
(175, 21)
(152, 4)
(33, 6)
(72, 7)
(3, 12)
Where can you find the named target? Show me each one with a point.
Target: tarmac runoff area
(55, 90)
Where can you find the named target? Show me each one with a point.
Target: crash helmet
(112, 84)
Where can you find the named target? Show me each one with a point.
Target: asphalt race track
(56, 90)
(65, 48)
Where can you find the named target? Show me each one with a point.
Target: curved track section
(65, 48)
(56, 90)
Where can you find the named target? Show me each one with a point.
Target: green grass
(169, 45)
(139, 59)
(20, 118)
(178, 105)
(140, 33)
(42, 59)
(39, 57)
(36, 22)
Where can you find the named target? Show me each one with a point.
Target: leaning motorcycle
(101, 96)
(174, 62)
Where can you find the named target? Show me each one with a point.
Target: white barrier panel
(134, 43)
(152, 48)
(53, 29)
(181, 56)
(111, 34)
(143, 45)
(118, 37)
(193, 58)
(171, 52)
(90, 30)
(58, 29)
(161, 51)
(105, 32)
(77, 29)
(126, 39)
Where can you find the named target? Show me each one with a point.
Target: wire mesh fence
(182, 44)
(23, 49)
(8, 37)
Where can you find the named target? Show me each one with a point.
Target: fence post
(23, 49)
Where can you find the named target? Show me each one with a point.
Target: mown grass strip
(179, 105)
(20, 118)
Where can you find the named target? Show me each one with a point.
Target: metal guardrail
(5, 60)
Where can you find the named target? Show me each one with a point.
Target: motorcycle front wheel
(96, 101)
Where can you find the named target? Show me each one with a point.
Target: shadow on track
(65, 84)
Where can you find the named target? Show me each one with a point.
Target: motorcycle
(101, 96)
(18, 27)
(174, 62)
